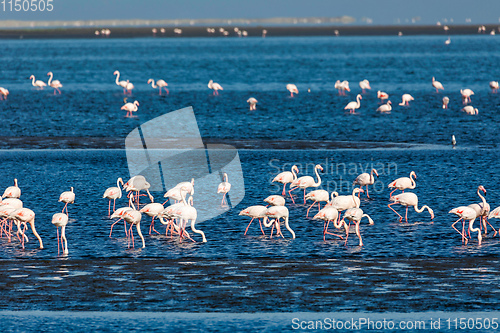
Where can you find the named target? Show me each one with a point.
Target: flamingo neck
(482, 198)
(471, 226)
(153, 84)
(117, 78)
(294, 174)
(319, 178)
(33, 80)
(50, 78)
(413, 183)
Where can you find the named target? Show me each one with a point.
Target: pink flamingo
(352, 106)
(56, 84)
(24, 216)
(3, 93)
(365, 179)
(224, 188)
(406, 100)
(255, 212)
(493, 85)
(342, 87)
(466, 94)
(185, 214)
(152, 210)
(67, 197)
(39, 84)
(482, 210)
(275, 200)
(286, 177)
(159, 84)
(355, 215)
(215, 87)
(329, 214)
(469, 109)
(61, 220)
(317, 196)
(364, 85)
(446, 101)
(113, 193)
(137, 184)
(385, 107)
(437, 85)
(130, 107)
(408, 199)
(129, 87)
(134, 217)
(292, 88)
(12, 191)
(403, 183)
(305, 182)
(275, 213)
(466, 213)
(122, 83)
(382, 95)
(253, 103)
(344, 202)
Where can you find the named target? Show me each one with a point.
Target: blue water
(415, 267)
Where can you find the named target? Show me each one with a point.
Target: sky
(379, 11)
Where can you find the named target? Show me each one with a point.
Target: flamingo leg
(109, 208)
(249, 226)
(283, 193)
(304, 196)
(113, 225)
(367, 194)
(491, 227)
(389, 205)
(359, 234)
(57, 228)
(463, 226)
(347, 227)
(406, 215)
(307, 215)
(290, 193)
(260, 223)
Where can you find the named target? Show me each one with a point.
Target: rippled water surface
(418, 266)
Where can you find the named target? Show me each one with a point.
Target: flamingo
(344, 202)
(129, 87)
(305, 182)
(403, 183)
(317, 196)
(275, 200)
(382, 95)
(13, 202)
(342, 87)
(466, 94)
(466, 213)
(493, 85)
(187, 186)
(24, 216)
(133, 217)
(446, 101)
(169, 214)
(159, 84)
(448, 41)
(408, 199)
(482, 210)
(364, 85)
(56, 84)
(365, 179)
(385, 107)
(3, 93)
(352, 106)
(5, 211)
(152, 210)
(406, 99)
(292, 88)
(469, 109)
(437, 85)
(276, 213)
(215, 87)
(286, 177)
(67, 197)
(188, 213)
(130, 107)
(328, 214)
(137, 184)
(113, 193)
(118, 213)
(255, 212)
(253, 103)
(61, 220)
(39, 84)
(122, 84)
(224, 187)
(355, 215)
(12, 191)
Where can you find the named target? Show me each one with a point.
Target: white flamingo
(60, 220)
(382, 95)
(292, 88)
(130, 107)
(286, 177)
(366, 179)
(275, 200)
(466, 94)
(446, 101)
(469, 109)
(329, 214)
(12, 191)
(215, 87)
(403, 183)
(385, 107)
(352, 106)
(469, 214)
(113, 193)
(152, 210)
(317, 196)
(159, 84)
(355, 215)
(253, 103)
(364, 85)
(224, 188)
(67, 197)
(39, 84)
(305, 182)
(493, 85)
(408, 199)
(56, 84)
(406, 100)
(3, 93)
(255, 212)
(122, 83)
(275, 213)
(437, 85)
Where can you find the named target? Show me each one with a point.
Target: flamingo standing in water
(286, 177)
(3, 93)
(329, 214)
(255, 212)
(482, 210)
(39, 84)
(67, 197)
(446, 101)
(275, 200)
(355, 215)
(342, 87)
(137, 184)
(406, 100)
(122, 83)
(408, 199)
(61, 220)
(344, 202)
(275, 213)
(469, 109)
(215, 87)
(118, 213)
(493, 85)
(317, 196)
(307, 181)
(365, 179)
(129, 87)
(152, 210)
(385, 107)
(133, 217)
(437, 85)
(466, 213)
(113, 193)
(364, 85)
(352, 106)
(253, 103)
(382, 95)
(130, 107)
(403, 183)
(466, 94)
(12, 191)
(185, 214)
(292, 88)
(24, 216)
(159, 84)
(224, 187)
(56, 84)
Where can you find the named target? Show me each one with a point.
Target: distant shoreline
(253, 31)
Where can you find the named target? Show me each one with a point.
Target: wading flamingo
(118, 213)
(122, 84)
(159, 84)
(3, 93)
(342, 87)
(385, 107)
(403, 183)
(446, 101)
(130, 107)
(355, 215)
(275, 200)
(24, 216)
(469, 109)
(215, 87)
(437, 85)
(39, 84)
(56, 84)
(352, 106)
(275, 213)
(255, 212)
(129, 87)
(317, 196)
(292, 88)
(406, 100)
(137, 184)
(466, 94)
(286, 177)
(482, 210)
(224, 187)
(253, 103)
(365, 179)
(185, 214)
(382, 95)
(113, 193)
(67, 197)
(466, 213)
(152, 210)
(364, 85)
(329, 214)
(493, 85)
(61, 220)
(305, 182)
(12, 191)
(408, 199)
(133, 217)
(344, 202)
